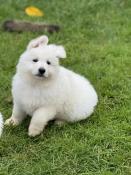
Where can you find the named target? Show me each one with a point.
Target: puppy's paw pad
(10, 122)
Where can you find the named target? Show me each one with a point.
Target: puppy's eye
(35, 60)
(48, 62)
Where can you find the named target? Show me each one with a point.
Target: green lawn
(97, 38)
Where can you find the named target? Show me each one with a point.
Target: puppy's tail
(1, 124)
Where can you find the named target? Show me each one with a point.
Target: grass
(97, 37)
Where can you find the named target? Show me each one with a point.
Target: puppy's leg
(17, 116)
(40, 119)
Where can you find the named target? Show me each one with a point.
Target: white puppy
(45, 90)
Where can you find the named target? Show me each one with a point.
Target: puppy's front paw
(11, 121)
(59, 122)
(33, 131)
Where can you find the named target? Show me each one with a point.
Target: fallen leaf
(33, 11)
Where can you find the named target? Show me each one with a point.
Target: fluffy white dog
(45, 90)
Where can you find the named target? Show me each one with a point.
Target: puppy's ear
(60, 52)
(42, 40)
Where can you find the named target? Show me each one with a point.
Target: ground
(97, 38)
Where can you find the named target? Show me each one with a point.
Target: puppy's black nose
(41, 71)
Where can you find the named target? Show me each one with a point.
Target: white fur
(1, 124)
(60, 94)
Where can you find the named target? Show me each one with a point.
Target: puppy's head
(40, 60)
